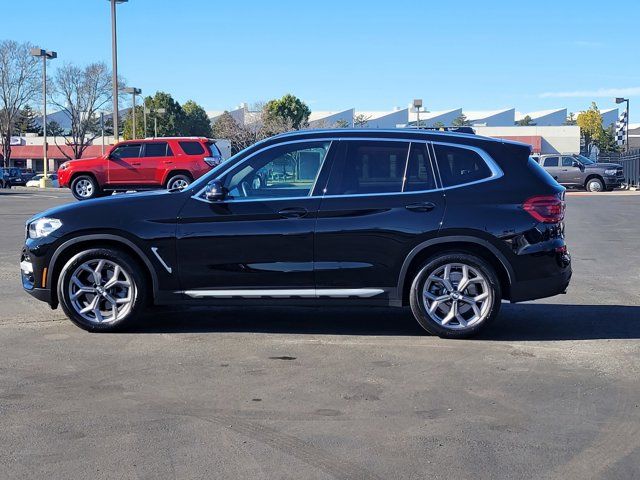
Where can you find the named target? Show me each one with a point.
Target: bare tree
(19, 85)
(81, 93)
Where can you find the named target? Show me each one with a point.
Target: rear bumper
(541, 287)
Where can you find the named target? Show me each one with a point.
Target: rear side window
(130, 150)
(192, 148)
(419, 172)
(157, 149)
(365, 167)
(460, 165)
(551, 162)
(213, 149)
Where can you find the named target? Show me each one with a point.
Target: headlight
(43, 227)
(610, 172)
(64, 166)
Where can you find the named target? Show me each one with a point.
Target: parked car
(141, 165)
(35, 181)
(578, 171)
(450, 224)
(11, 176)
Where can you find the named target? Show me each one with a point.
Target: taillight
(545, 208)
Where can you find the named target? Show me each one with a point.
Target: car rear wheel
(101, 289)
(595, 185)
(85, 187)
(178, 181)
(455, 295)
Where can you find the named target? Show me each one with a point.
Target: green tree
(571, 119)
(342, 123)
(360, 120)
(171, 122)
(127, 127)
(461, 121)
(288, 109)
(54, 129)
(525, 122)
(438, 125)
(26, 122)
(197, 121)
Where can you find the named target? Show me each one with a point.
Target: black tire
(594, 185)
(85, 187)
(131, 271)
(178, 181)
(455, 328)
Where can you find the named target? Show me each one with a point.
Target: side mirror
(215, 191)
(213, 161)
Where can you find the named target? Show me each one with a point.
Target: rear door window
(191, 147)
(459, 165)
(157, 149)
(551, 162)
(419, 174)
(368, 167)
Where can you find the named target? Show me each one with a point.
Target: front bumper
(34, 268)
(613, 182)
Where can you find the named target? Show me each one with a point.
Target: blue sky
(371, 55)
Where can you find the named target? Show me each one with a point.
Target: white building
(324, 119)
(545, 118)
(491, 118)
(545, 139)
(430, 119)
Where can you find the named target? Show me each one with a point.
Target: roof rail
(454, 129)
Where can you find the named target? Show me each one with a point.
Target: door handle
(168, 161)
(293, 212)
(421, 207)
(136, 164)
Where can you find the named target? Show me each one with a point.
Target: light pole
(133, 91)
(144, 116)
(417, 104)
(102, 130)
(158, 111)
(39, 52)
(114, 73)
(626, 127)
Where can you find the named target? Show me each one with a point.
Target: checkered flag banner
(621, 128)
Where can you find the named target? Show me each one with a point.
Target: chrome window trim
(496, 171)
(285, 293)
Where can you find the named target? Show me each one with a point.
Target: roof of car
(155, 139)
(399, 133)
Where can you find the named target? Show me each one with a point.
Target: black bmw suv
(449, 224)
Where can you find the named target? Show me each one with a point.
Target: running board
(287, 293)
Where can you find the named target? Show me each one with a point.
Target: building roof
(54, 151)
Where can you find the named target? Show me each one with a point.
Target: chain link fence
(630, 162)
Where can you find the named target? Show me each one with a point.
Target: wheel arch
(592, 176)
(75, 245)
(458, 243)
(171, 173)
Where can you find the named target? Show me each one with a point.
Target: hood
(80, 161)
(98, 212)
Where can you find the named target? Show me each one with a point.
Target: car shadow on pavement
(519, 322)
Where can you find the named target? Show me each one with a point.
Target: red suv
(139, 165)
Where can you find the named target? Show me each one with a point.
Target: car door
(571, 171)
(552, 165)
(124, 167)
(258, 241)
(156, 159)
(381, 199)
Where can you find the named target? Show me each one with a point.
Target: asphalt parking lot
(551, 390)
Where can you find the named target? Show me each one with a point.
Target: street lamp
(158, 111)
(417, 104)
(626, 141)
(45, 54)
(114, 73)
(133, 91)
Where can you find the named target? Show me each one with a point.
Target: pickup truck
(578, 171)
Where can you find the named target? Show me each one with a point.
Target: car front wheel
(85, 187)
(595, 185)
(455, 295)
(101, 289)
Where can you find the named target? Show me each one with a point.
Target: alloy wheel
(84, 188)
(178, 183)
(457, 296)
(101, 291)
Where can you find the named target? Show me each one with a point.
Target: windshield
(584, 160)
